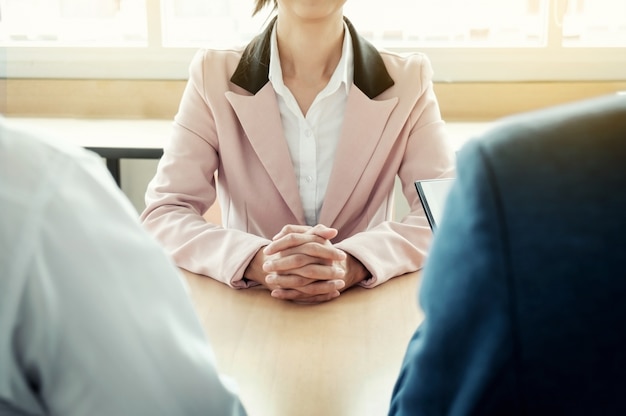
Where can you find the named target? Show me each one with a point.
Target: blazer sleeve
(393, 248)
(184, 188)
(461, 360)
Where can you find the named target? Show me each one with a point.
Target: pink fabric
(221, 127)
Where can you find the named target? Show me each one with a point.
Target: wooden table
(339, 358)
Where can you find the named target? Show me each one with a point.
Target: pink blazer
(229, 123)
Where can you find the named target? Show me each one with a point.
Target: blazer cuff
(238, 281)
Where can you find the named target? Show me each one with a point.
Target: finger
(292, 240)
(319, 230)
(323, 231)
(293, 296)
(313, 289)
(305, 284)
(308, 244)
(313, 271)
(302, 256)
(287, 281)
(291, 229)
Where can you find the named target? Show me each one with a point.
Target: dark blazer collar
(370, 74)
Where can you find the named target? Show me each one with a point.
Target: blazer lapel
(363, 127)
(260, 118)
(370, 74)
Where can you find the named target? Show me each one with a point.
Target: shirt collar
(343, 73)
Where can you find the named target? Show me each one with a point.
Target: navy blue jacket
(524, 292)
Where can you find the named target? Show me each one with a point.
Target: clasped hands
(301, 264)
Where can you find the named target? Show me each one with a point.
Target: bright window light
(477, 40)
(216, 23)
(453, 23)
(73, 23)
(594, 23)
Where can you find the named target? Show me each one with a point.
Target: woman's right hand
(298, 265)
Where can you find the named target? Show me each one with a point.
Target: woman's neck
(309, 51)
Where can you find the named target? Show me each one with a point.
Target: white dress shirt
(94, 318)
(313, 139)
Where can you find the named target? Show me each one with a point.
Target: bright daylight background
(467, 40)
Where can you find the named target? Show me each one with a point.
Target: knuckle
(291, 237)
(286, 228)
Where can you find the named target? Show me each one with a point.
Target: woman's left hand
(302, 257)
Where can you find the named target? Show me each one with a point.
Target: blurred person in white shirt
(94, 317)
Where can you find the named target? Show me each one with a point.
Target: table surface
(337, 358)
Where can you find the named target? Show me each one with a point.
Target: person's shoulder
(405, 60)
(561, 125)
(215, 57)
(553, 140)
(215, 64)
(39, 167)
(41, 161)
(38, 150)
(412, 58)
(408, 68)
(233, 52)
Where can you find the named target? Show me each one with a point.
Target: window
(216, 23)
(73, 23)
(453, 23)
(594, 23)
(466, 40)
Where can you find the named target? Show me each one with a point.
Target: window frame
(451, 64)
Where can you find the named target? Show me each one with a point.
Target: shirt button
(308, 132)
(309, 178)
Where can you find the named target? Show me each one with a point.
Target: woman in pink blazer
(300, 137)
